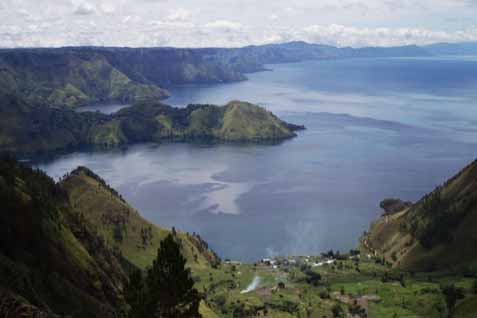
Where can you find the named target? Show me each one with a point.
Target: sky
(234, 23)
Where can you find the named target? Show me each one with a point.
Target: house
(268, 261)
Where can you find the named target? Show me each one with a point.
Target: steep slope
(122, 227)
(170, 66)
(69, 79)
(50, 260)
(436, 233)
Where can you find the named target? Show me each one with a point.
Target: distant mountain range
(39, 87)
(76, 76)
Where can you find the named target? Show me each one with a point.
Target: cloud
(107, 8)
(224, 24)
(134, 19)
(179, 15)
(203, 23)
(85, 8)
(340, 35)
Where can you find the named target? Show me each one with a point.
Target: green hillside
(235, 122)
(67, 248)
(49, 257)
(70, 80)
(436, 233)
(32, 127)
(122, 227)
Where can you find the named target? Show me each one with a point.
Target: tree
(118, 233)
(452, 294)
(171, 292)
(135, 295)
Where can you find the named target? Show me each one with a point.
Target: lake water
(377, 128)
(106, 109)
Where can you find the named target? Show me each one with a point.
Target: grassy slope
(245, 121)
(396, 237)
(234, 122)
(121, 226)
(48, 255)
(70, 79)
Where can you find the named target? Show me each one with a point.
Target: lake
(376, 128)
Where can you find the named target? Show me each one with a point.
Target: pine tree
(170, 288)
(135, 295)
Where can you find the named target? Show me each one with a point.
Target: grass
(244, 121)
(108, 134)
(467, 308)
(122, 227)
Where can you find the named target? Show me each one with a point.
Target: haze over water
(376, 128)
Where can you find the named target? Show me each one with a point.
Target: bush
(338, 311)
(452, 295)
(324, 294)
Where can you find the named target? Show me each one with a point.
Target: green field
(361, 288)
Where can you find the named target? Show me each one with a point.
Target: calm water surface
(376, 128)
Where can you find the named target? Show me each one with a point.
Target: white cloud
(195, 23)
(179, 15)
(107, 8)
(224, 24)
(340, 35)
(134, 19)
(85, 8)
